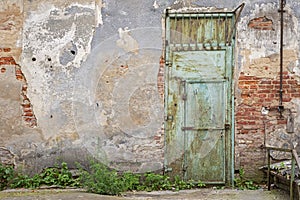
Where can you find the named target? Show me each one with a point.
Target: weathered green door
(199, 129)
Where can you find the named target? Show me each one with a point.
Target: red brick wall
(252, 126)
(261, 23)
(160, 77)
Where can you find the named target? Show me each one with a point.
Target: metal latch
(169, 118)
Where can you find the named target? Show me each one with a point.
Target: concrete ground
(199, 194)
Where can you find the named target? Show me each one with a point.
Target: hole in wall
(73, 52)
(33, 59)
(49, 59)
(51, 116)
(3, 70)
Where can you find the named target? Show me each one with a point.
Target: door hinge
(168, 169)
(227, 126)
(166, 42)
(168, 63)
(184, 97)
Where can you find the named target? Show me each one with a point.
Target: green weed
(243, 184)
(7, 173)
(59, 176)
(98, 179)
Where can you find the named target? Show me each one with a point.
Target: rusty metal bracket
(238, 10)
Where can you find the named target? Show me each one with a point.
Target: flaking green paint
(199, 57)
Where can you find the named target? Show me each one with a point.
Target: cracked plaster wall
(92, 96)
(91, 70)
(259, 50)
(257, 78)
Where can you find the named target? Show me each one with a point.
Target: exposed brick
(6, 49)
(18, 71)
(247, 82)
(27, 109)
(28, 114)
(267, 82)
(7, 61)
(262, 95)
(266, 87)
(24, 88)
(295, 95)
(277, 82)
(246, 78)
(261, 23)
(160, 77)
(244, 86)
(19, 77)
(253, 87)
(292, 82)
(250, 123)
(265, 91)
(286, 99)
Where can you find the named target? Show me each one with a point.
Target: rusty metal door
(199, 129)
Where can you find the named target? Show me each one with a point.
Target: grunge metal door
(198, 101)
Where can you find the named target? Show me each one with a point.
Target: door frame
(229, 47)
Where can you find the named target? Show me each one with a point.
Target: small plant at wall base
(59, 176)
(6, 175)
(99, 179)
(243, 184)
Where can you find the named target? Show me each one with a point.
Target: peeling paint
(106, 101)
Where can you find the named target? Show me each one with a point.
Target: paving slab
(199, 194)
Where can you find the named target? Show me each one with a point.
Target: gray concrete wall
(80, 79)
